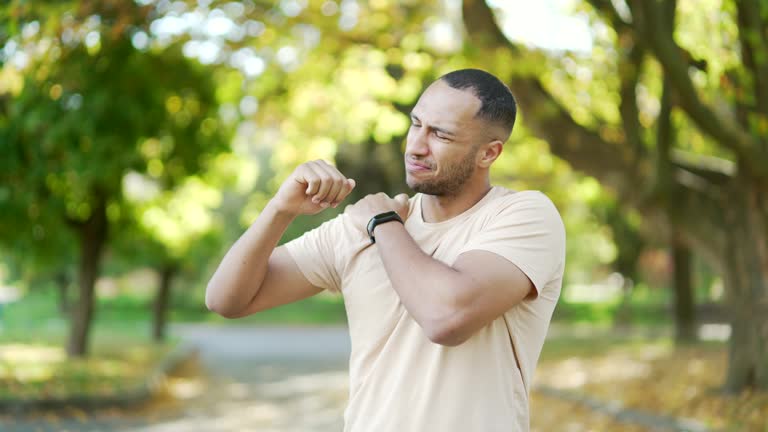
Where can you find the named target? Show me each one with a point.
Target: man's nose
(417, 143)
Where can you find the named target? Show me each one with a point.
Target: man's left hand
(362, 211)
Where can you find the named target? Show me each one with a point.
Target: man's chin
(416, 186)
(424, 188)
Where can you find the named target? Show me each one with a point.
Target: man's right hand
(311, 188)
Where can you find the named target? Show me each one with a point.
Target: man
(447, 309)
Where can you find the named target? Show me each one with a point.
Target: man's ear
(489, 153)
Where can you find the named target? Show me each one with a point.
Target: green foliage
(89, 110)
(100, 113)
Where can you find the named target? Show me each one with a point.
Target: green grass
(34, 366)
(610, 313)
(41, 371)
(318, 310)
(37, 316)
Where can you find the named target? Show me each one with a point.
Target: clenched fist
(311, 188)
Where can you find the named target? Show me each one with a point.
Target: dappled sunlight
(714, 332)
(305, 384)
(43, 372)
(22, 353)
(264, 406)
(575, 372)
(680, 382)
(550, 414)
(185, 388)
(614, 367)
(29, 363)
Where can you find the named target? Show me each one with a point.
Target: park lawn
(37, 312)
(36, 371)
(34, 365)
(40, 372)
(322, 309)
(550, 414)
(655, 376)
(36, 315)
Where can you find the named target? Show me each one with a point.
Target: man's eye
(414, 124)
(441, 136)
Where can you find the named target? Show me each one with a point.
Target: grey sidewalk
(258, 379)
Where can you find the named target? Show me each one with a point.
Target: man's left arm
(511, 259)
(452, 302)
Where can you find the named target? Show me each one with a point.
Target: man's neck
(439, 208)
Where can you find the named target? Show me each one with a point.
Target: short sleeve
(527, 231)
(316, 254)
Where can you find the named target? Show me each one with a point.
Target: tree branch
(664, 142)
(606, 8)
(629, 71)
(714, 170)
(481, 25)
(588, 152)
(664, 132)
(724, 130)
(584, 149)
(754, 49)
(697, 215)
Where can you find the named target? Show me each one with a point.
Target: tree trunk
(160, 309)
(745, 274)
(685, 314)
(723, 217)
(380, 164)
(62, 288)
(92, 234)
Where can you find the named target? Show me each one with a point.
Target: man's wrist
(384, 229)
(276, 210)
(382, 219)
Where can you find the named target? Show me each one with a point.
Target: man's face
(442, 143)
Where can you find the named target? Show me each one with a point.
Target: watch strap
(379, 219)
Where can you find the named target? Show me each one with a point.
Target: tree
(173, 230)
(714, 196)
(92, 108)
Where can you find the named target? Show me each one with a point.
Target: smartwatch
(380, 219)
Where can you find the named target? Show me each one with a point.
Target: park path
(277, 379)
(255, 379)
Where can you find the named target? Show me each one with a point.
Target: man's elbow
(218, 305)
(448, 332)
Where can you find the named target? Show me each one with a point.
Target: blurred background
(140, 138)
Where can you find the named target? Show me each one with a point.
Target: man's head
(458, 127)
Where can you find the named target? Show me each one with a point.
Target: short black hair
(497, 105)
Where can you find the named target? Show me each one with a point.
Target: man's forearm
(241, 272)
(426, 287)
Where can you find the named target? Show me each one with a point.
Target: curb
(626, 415)
(141, 393)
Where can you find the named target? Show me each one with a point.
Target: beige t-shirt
(400, 381)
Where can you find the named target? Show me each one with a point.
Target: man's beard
(451, 180)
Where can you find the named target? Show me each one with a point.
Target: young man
(448, 294)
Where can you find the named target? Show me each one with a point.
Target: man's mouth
(417, 166)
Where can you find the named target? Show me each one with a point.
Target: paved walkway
(257, 379)
(269, 379)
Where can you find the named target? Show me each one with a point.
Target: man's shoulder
(513, 200)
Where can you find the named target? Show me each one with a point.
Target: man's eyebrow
(439, 129)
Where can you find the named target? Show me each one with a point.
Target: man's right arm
(254, 275)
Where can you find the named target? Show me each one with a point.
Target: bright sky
(547, 24)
